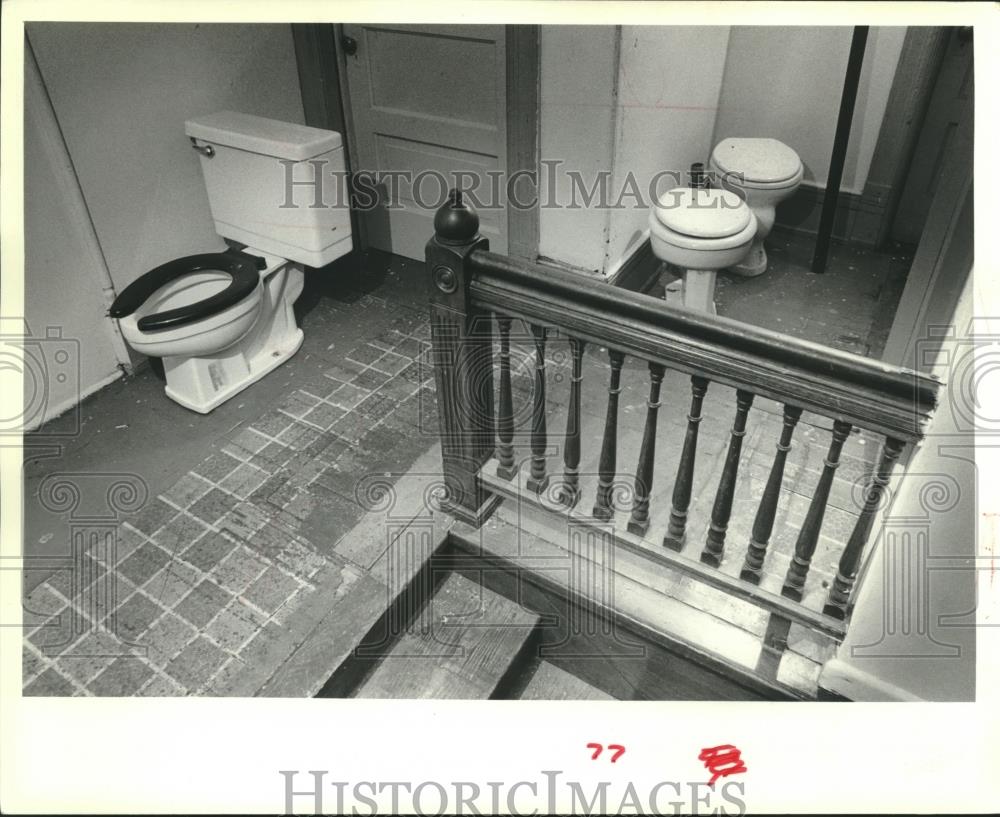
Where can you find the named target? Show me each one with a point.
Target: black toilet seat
(243, 268)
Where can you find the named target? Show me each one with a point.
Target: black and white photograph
(465, 357)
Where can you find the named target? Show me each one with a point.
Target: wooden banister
(472, 290)
(887, 399)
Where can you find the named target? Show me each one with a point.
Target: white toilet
(700, 230)
(763, 172)
(221, 321)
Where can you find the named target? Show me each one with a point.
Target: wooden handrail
(843, 386)
(473, 290)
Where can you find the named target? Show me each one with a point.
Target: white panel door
(428, 100)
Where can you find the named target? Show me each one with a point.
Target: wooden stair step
(461, 646)
(550, 683)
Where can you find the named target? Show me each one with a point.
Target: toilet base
(755, 262)
(695, 291)
(202, 384)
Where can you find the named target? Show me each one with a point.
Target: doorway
(423, 106)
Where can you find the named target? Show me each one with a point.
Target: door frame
(326, 103)
(909, 97)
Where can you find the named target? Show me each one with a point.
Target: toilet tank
(275, 186)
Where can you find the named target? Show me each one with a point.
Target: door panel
(428, 99)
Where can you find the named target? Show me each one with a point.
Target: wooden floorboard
(550, 683)
(460, 647)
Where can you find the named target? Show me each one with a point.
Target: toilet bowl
(219, 321)
(700, 231)
(222, 320)
(763, 172)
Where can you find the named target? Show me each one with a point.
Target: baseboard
(800, 213)
(639, 272)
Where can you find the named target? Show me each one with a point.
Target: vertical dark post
(805, 545)
(538, 480)
(570, 492)
(763, 523)
(847, 571)
(844, 121)
(505, 415)
(639, 521)
(609, 447)
(685, 469)
(723, 506)
(461, 338)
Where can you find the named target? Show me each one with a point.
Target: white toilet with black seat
(221, 321)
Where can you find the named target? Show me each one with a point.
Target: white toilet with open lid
(222, 320)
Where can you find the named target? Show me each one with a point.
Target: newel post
(461, 338)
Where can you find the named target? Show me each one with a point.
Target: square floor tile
(203, 603)
(197, 662)
(123, 677)
(271, 590)
(50, 684)
(373, 379)
(143, 564)
(233, 627)
(134, 616)
(186, 490)
(151, 518)
(216, 466)
(390, 363)
(365, 354)
(161, 686)
(167, 637)
(172, 583)
(211, 507)
(179, 533)
(238, 570)
(244, 480)
(209, 550)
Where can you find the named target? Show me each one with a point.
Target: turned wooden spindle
(639, 521)
(505, 416)
(538, 480)
(847, 570)
(723, 506)
(763, 523)
(569, 493)
(681, 498)
(805, 545)
(609, 448)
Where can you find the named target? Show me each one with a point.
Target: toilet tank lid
(758, 159)
(271, 137)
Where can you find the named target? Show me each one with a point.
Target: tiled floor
(222, 572)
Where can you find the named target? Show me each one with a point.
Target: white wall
(64, 273)
(669, 80)
(637, 99)
(912, 633)
(786, 82)
(121, 93)
(577, 121)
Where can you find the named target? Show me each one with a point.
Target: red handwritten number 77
(618, 750)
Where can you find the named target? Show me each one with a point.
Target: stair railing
(474, 296)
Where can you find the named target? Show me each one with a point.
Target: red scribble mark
(617, 750)
(722, 761)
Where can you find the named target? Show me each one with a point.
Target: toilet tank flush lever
(204, 150)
